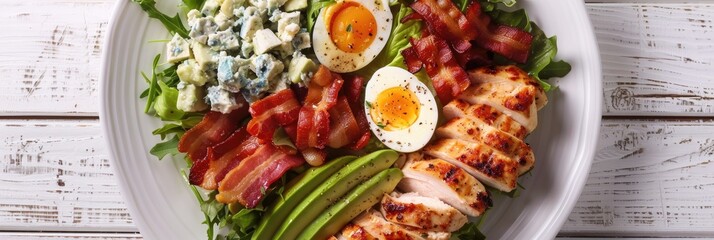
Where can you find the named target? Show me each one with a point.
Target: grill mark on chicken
(521, 101)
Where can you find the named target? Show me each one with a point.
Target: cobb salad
(349, 119)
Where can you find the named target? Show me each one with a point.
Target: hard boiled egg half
(349, 34)
(401, 111)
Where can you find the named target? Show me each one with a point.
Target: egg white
(340, 61)
(420, 132)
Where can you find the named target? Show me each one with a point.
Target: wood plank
(649, 178)
(55, 176)
(77, 236)
(51, 56)
(656, 58)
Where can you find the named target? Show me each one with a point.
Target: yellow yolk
(351, 26)
(395, 108)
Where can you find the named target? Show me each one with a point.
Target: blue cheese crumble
(239, 48)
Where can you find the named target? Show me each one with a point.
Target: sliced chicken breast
(354, 232)
(477, 131)
(513, 99)
(485, 114)
(509, 73)
(425, 213)
(373, 223)
(483, 162)
(447, 182)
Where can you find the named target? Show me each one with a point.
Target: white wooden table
(652, 175)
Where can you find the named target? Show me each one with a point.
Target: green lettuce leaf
(165, 105)
(507, 3)
(313, 11)
(469, 231)
(169, 147)
(193, 4)
(173, 24)
(398, 41)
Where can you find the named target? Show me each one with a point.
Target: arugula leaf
(517, 19)
(398, 41)
(313, 11)
(469, 231)
(555, 69)
(193, 4)
(173, 24)
(462, 4)
(167, 129)
(153, 89)
(170, 147)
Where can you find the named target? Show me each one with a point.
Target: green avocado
(299, 188)
(293, 5)
(354, 203)
(333, 189)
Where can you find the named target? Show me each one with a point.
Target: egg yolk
(395, 108)
(351, 26)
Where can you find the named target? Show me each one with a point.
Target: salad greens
(173, 24)
(398, 41)
(235, 222)
(540, 64)
(313, 11)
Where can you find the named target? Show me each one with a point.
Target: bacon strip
(353, 92)
(221, 158)
(343, 125)
(474, 57)
(278, 109)
(444, 19)
(247, 182)
(313, 128)
(510, 42)
(448, 78)
(213, 128)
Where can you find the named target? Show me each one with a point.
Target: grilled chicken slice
(354, 232)
(477, 131)
(374, 224)
(485, 114)
(439, 179)
(513, 99)
(425, 213)
(483, 162)
(510, 74)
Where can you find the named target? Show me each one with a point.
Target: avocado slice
(299, 188)
(333, 189)
(360, 199)
(292, 5)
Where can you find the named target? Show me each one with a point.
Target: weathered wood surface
(649, 178)
(74, 236)
(656, 57)
(55, 176)
(51, 56)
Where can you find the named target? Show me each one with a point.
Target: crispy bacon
(313, 127)
(279, 109)
(448, 78)
(444, 19)
(247, 182)
(221, 158)
(411, 59)
(343, 125)
(510, 42)
(213, 128)
(474, 57)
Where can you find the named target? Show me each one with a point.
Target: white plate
(164, 208)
